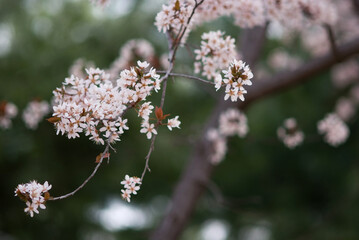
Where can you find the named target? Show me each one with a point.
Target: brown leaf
(53, 119)
(177, 6)
(47, 196)
(2, 107)
(98, 157)
(159, 113)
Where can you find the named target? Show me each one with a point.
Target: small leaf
(177, 6)
(53, 119)
(99, 157)
(2, 107)
(159, 113)
(47, 196)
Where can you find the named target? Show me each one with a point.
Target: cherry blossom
(173, 123)
(34, 194)
(35, 112)
(95, 105)
(131, 186)
(235, 77)
(232, 122)
(215, 53)
(290, 134)
(335, 131)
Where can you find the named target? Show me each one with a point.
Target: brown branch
(284, 80)
(188, 76)
(356, 5)
(87, 179)
(332, 41)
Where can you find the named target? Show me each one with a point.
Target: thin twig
(88, 179)
(172, 46)
(333, 44)
(147, 167)
(189, 77)
(181, 34)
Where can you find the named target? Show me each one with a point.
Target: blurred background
(270, 191)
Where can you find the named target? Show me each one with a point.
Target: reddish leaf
(53, 119)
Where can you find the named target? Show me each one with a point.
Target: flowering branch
(173, 46)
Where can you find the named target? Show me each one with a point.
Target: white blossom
(173, 123)
(215, 53)
(95, 105)
(35, 112)
(235, 77)
(290, 134)
(131, 186)
(148, 129)
(335, 131)
(232, 122)
(34, 194)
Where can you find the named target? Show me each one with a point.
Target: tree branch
(103, 155)
(284, 80)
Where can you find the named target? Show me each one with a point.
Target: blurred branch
(288, 79)
(356, 5)
(333, 45)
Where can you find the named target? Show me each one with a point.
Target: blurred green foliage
(307, 193)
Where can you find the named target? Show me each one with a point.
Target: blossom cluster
(279, 59)
(236, 76)
(132, 51)
(290, 134)
(334, 129)
(215, 53)
(296, 13)
(95, 105)
(344, 74)
(34, 194)
(249, 13)
(231, 122)
(131, 186)
(8, 111)
(34, 112)
(246, 13)
(175, 16)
